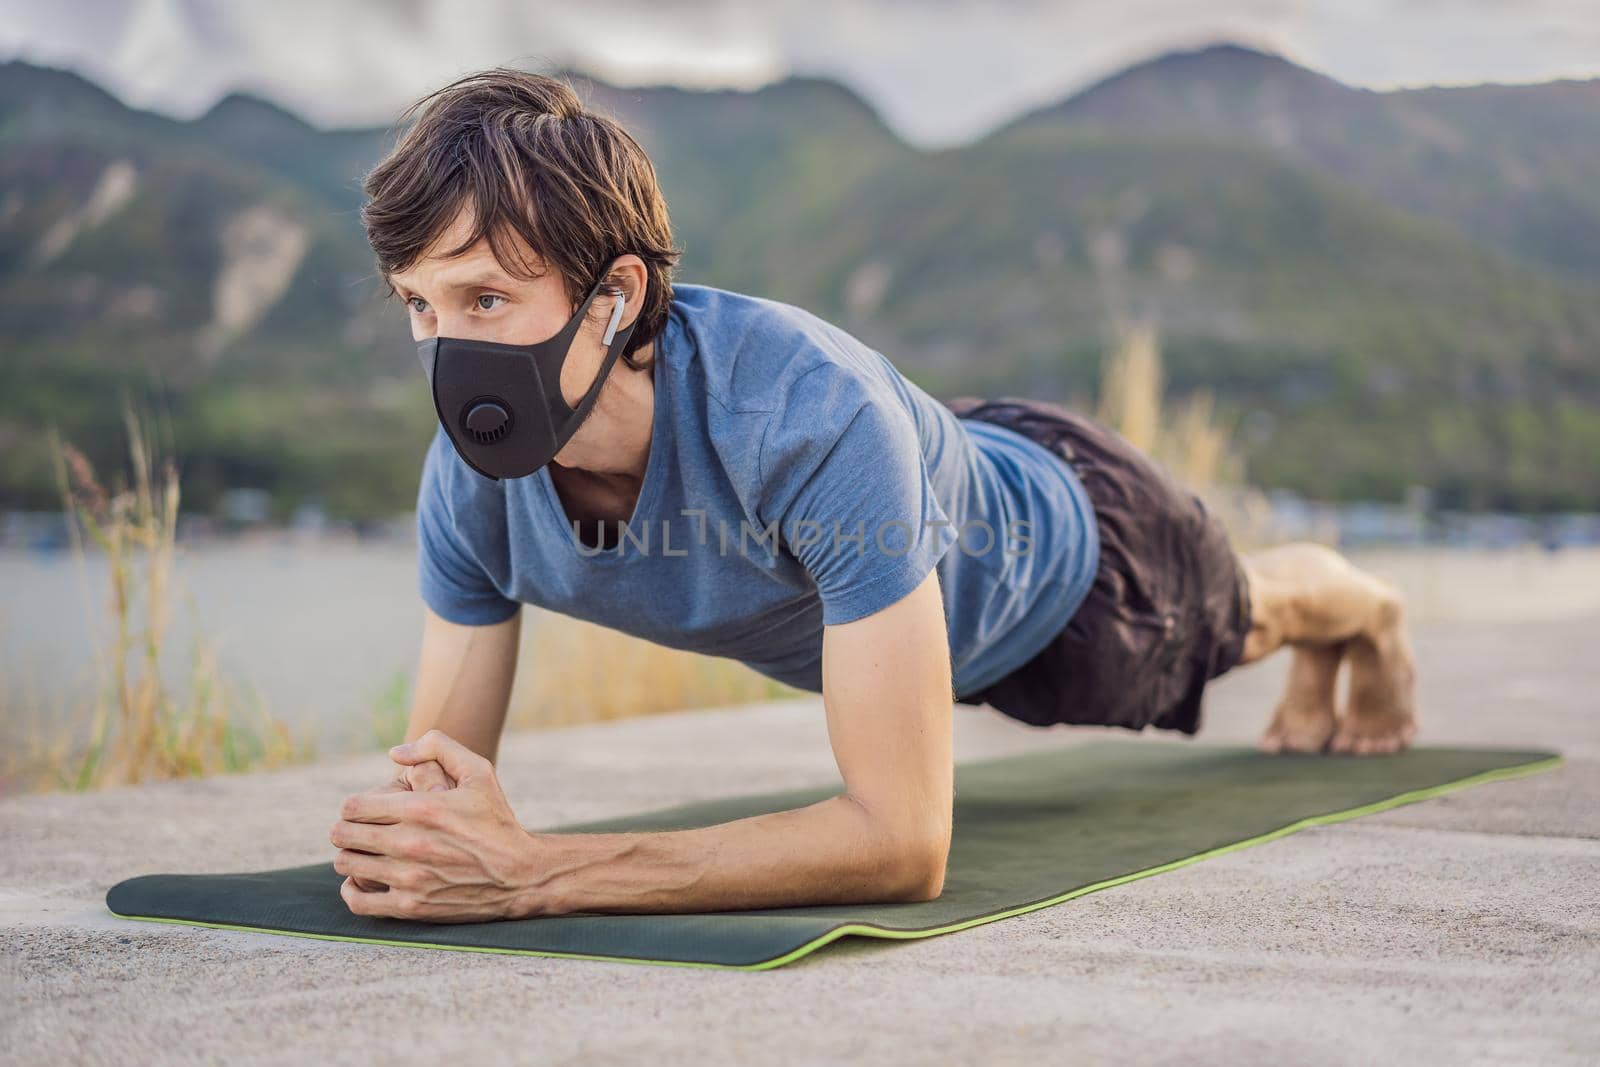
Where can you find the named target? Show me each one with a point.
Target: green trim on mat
(866, 930)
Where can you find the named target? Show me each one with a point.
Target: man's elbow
(910, 853)
(919, 872)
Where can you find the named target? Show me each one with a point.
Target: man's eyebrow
(492, 279)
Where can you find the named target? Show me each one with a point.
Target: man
(733, 475)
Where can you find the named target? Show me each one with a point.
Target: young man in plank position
(753, 482)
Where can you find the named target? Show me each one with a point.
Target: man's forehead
(435, 266)
(476, 266)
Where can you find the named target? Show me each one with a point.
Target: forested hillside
(1383, 289)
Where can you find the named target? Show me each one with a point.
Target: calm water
(317, 629)
(321, 629)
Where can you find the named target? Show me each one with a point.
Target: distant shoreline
(1353, 525)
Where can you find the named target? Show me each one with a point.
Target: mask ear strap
(616, 342)
(551, 361)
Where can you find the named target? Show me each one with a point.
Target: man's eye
(417, 304)
(486, 301)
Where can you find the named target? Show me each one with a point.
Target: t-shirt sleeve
(451, 580)
(845, 480)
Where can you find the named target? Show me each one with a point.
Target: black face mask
(502, 404)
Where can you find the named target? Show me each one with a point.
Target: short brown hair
(520, 151)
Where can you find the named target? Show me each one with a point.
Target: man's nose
(446, 325)
(428, 354)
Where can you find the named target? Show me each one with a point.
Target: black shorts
(1170, 605)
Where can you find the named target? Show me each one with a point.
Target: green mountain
(1373, 348)
(1511, 165)
(1383, 289)
(227, 290)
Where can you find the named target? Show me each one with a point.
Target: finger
(428, 776)
(458, 761)
(369, 868)
(393, 904)
(369, 887)
(378, 838)
(377, 807)
(360, 901)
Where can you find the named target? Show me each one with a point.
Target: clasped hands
(438, 843)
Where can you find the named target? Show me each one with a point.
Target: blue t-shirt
(795, 480)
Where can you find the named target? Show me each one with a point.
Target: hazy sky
(939, 71)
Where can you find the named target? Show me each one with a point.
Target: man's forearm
(478, 726)
(464, 679)
(834, 851)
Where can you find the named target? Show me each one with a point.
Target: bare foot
(1380, 716)
(1297, 727)
(1363, 736)
(1304, 719)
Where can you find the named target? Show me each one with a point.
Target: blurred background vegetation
(1372, 291)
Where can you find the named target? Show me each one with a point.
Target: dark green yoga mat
(1030, 831)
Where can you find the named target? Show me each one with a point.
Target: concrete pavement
(1462, 930)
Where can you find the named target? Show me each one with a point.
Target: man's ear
(628, 271)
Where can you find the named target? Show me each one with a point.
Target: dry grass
(138, 727)
(579, 672)
(1184, 438)
(573, 671)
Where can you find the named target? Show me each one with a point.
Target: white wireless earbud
(616, 317)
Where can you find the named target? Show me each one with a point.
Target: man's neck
(613, 444)
(599, 474)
